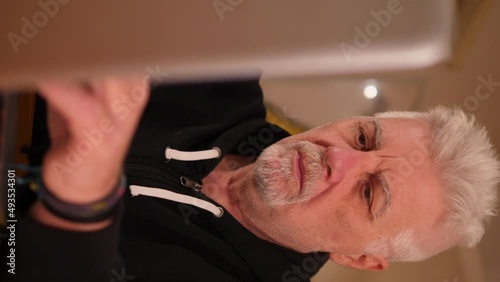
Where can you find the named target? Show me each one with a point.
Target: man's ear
(362, 262)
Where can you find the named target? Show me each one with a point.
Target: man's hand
(91, 127)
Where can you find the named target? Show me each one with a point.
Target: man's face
(340, 186)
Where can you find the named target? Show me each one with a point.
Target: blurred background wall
(311, 101)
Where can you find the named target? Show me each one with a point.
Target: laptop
(194, 40)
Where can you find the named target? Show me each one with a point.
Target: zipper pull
(190, 184)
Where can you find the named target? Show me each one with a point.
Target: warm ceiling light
(370, 91)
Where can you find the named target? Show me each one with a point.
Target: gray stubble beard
(274, 168)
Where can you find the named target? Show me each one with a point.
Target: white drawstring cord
(213, 153)
(169, 195)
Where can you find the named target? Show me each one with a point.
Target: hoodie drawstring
(213, 153)
(137, 190)
(192, 156)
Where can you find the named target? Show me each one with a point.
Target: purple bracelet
(88, 213)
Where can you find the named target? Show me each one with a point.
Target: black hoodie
(162, 239)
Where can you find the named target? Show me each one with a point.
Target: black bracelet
(88, 213)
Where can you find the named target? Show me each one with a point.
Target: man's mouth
(298, 170)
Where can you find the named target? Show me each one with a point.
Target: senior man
(216, 193)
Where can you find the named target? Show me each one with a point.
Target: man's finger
(67, 98)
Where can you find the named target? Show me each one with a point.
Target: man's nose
(344, 162)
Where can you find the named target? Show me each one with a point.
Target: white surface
(193, 39)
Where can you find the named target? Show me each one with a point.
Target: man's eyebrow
(378, 133)
(387, 196)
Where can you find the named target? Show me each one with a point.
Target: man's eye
(367, 194)
(362, 140)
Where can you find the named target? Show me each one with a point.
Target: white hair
(469, 172)
(401, 247)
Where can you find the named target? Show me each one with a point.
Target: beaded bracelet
(88, 213)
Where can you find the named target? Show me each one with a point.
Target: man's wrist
(41, 214)
(82, 185)
(96, 211)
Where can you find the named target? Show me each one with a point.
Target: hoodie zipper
(190, 183)
(184, 181)
(162, 174)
